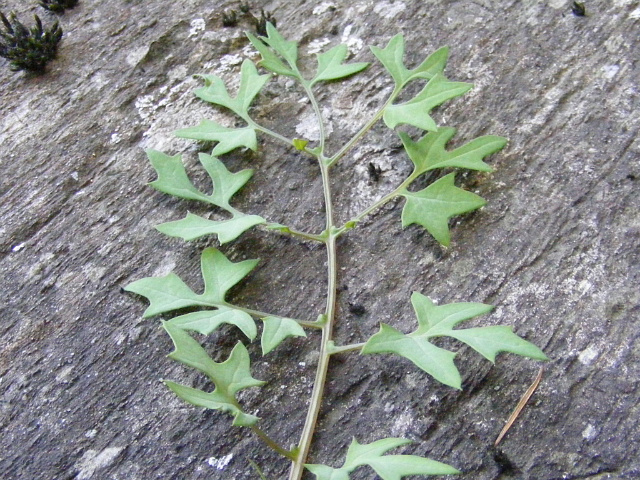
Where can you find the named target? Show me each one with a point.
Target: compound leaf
(433, 206)
(227, 138)
(392, 58)
(429, 152)
(207, 321)
(277, 329)
(436, 321)
(388, 467)
(330, 66)
(416, 111)
(229, 377)
(171, 293)
(215, 91)
(194, 226)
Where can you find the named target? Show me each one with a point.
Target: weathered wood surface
(556, 249)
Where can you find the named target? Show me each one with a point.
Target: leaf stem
(268, 131)
(363, 131)
(288, 141)
(345, 348)
(327, 331)
(272, 444)
(284, 229)
(315, 402)
(316, 108)
(259, 314)
(326, 343)
(378, 203)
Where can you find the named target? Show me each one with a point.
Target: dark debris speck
(578, 9)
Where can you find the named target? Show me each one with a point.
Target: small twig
(523, 401)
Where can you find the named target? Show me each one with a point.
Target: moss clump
(58, 6)
(28, 48)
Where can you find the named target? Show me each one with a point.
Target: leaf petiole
(377, 204)
(316, 108)
(332, 349)
(296, 233)
(363, 131)
(267, 131)
(273, 445)
(259, 314)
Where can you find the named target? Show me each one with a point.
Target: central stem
(297, 467)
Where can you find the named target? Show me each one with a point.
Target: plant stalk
(326, 343)
(315, 403)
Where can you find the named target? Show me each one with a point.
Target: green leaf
(437, 321)
(436, 361)
(330, 66)
(164, 294)
(276, 329)
(287, 49)
(429, 152)
(227, 138)
(211, 401)
(270, 60)
(323, 472)
(416, 111)
(193, 226)
(173, 179)
(229, 377)
(220, 274)
(395, 467)
(489, 341)
(225, 183)
(207, 321)
(215, 91)
(359, 454)
(392, 58)
(388, 467)
(433, 206)
(171, 293)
